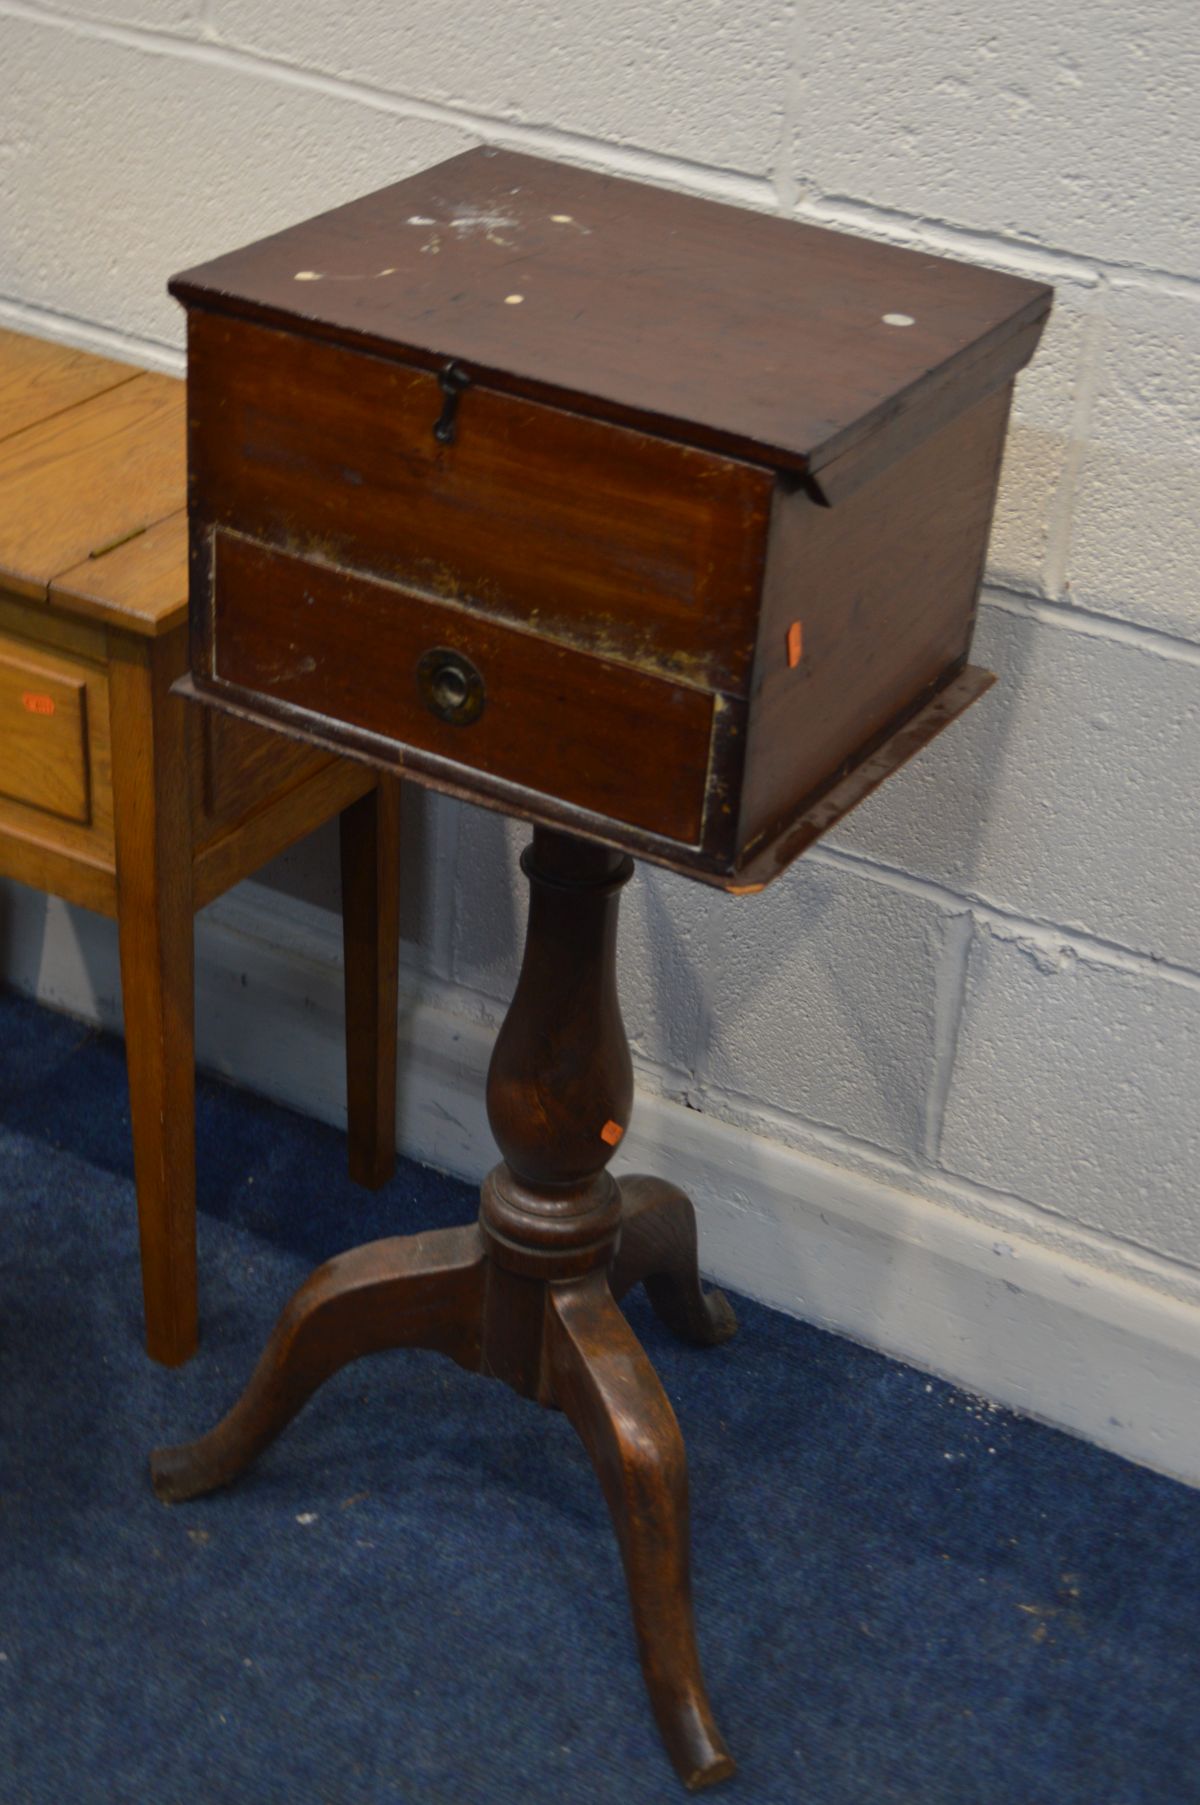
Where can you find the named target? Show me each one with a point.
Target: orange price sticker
(611, 1132)
(37, 704)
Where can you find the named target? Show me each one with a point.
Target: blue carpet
(415, 1598)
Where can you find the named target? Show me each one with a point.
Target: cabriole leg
(658, 1248)
(416, 1291)
(604, 1382)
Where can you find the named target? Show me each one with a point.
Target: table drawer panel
(609, 738)
(238, 770)
(607, 539)
(43, 733)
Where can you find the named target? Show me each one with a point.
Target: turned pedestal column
(529, 1294)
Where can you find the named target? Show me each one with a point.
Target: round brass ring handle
(451, 686)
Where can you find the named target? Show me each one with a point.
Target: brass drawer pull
(451, 686)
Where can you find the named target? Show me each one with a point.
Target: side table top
(38, 378)
(92, 486)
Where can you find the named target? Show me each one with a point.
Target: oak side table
(660, 525)
(119, 797)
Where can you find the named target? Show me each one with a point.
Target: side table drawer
(43, 735)
(627, 745)
(47, 702)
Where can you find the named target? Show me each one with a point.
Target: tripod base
(546, 1322)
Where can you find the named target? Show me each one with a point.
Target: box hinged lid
(787, 344)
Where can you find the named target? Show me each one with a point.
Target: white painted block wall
(939, 1087)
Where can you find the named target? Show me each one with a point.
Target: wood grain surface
(39, 379)
(709, 323)
(330, 641)
(154, 926)
(55, 764)
(88, 478)
(883, 588)
(140, 585)
(603, 538)
(43, 732)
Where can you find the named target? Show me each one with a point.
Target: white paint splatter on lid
(480, 219)
(898, 319)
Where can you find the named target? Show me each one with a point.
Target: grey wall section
(971, 1018)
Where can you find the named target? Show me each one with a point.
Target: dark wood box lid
(753, 335)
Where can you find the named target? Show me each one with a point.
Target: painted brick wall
(985, 988)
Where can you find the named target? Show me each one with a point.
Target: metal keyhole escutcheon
(451, 686)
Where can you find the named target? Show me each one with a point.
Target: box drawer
(490, 698)
(604, 538)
